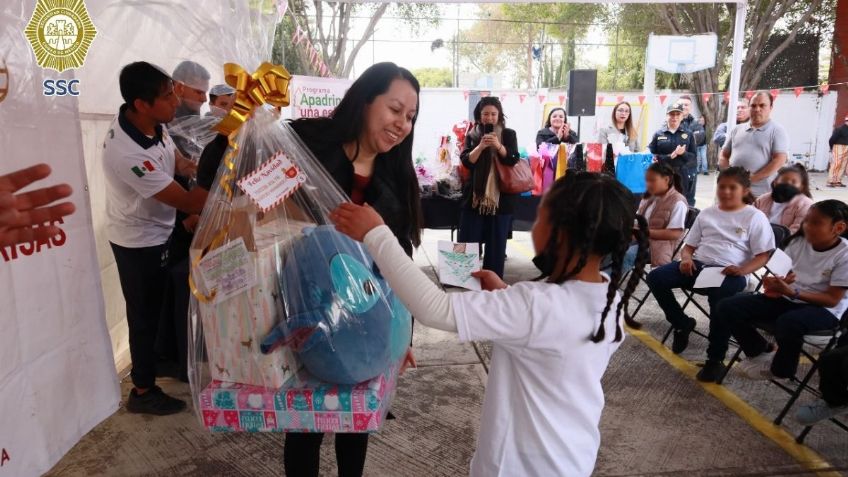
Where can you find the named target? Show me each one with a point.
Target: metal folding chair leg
(795, 394)
(733, 360)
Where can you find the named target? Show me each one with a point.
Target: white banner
(57, 374)
(316, 97)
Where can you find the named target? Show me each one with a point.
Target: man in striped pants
(839, 148)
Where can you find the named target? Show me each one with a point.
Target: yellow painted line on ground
(801, 453)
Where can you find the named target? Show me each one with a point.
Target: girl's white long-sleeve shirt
(544, 398)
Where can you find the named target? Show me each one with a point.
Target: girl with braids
(731, 235)
(552, 339)
(811, 298)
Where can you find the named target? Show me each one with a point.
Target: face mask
(784, 193)
(544, 264)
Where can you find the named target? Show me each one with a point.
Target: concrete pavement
(658, 420)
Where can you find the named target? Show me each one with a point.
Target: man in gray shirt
(760, 146)
(742, 116)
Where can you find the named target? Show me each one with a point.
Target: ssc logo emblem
(60, 33)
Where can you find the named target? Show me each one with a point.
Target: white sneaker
(758, 367)
(816, 411)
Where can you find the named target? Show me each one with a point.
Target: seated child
(789, 200)
(552, 339)
(812, 298)
(664, 208)
(731, 235)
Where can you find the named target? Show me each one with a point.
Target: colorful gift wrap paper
(302, 404)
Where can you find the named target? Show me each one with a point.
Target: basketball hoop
(682, 54)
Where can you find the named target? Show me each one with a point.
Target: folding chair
(691, 215)
(820, 342)
(780, 232)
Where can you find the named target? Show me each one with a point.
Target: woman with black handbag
(486, 215)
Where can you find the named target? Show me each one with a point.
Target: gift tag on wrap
(274, 181)
(229, 270)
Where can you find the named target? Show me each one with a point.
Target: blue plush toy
(343, 320)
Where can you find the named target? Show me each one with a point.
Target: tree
(434, 77)
(327, 26)
(765, 18)
(510, 38)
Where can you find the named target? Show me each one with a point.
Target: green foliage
(434, 77)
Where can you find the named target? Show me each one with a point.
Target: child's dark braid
(643, 257)
(595, 215)
(617, 264)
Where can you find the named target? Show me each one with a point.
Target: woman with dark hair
(366, 146)
(621, 128)
(556, 129)
(487, 213)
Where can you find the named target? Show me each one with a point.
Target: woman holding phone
(486, 214)
(556, 129)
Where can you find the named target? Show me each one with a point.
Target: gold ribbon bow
(268, 84)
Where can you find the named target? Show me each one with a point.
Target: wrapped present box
(303, 404)
(234, 328)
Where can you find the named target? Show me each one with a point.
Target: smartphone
(488, 128)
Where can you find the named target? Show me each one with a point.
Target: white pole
(736, 65)
(649, 89)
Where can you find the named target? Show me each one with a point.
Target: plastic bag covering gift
(336, 306)
(231, 311)
(311, 406)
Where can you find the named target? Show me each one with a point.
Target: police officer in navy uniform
(675, 145)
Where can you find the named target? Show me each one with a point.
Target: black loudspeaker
(582, 92)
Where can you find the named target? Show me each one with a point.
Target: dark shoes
(681, 336)
(155, 402)
(711, 372)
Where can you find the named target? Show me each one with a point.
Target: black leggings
(302, 454)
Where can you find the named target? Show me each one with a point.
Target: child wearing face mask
(810, 298)
(789, 200)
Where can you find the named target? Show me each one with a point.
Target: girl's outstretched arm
(429, 304)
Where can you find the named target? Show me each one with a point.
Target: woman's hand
(489, 280)
(678, 151)
(355, 221)
(564, 131)
(491, 140)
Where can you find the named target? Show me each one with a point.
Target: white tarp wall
(57, 375)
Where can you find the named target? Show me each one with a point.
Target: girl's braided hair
(593, 214)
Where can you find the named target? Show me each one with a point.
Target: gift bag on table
(594, 157)
(537, 166)
(630, 170)
(281, 300)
